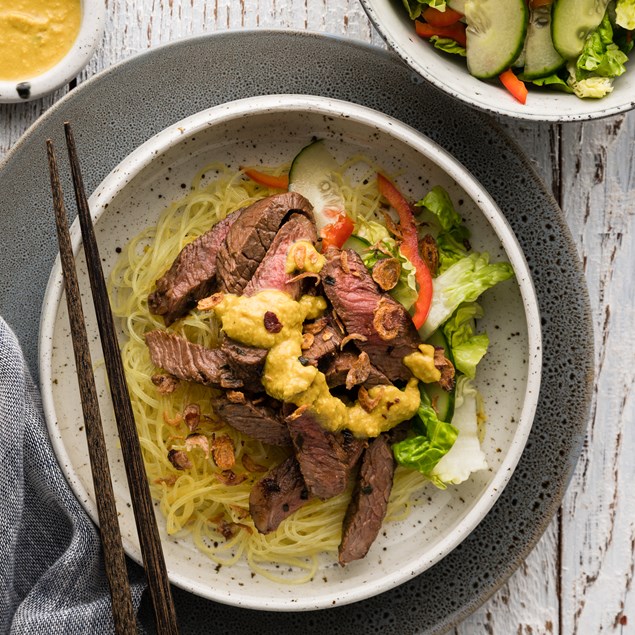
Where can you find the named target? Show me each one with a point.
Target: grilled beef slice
(249, 239)
(366, 511)
(325, 458)
(271, 273)
(246, 362)
(325, 344)
(339, 367)
(192, 275)
(276, 496)
(190, 362)
(259, 421)
(367, 311)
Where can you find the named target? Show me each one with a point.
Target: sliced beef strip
(325, 343)
(271, 273)
(339, 367)
(191, 362)
(385, 324)
(366, 511)
(192, 275)
(325, 458)
(249, 239)
(246, 362)
(259, 421)
(277, 495)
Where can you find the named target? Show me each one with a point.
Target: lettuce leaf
(416, 7)
(463, 282)
(434, 439)
(452, 241)
(591, 87)
(467, 347)
(385, 246)
(448, 45)
(554, 82)
(600, 56)
(625, 14)
(465, 456)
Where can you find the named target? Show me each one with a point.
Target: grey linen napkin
(51, 570)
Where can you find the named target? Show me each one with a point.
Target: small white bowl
(89, 36)
(450, 74)
(272, 129)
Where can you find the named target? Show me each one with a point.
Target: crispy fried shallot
(367, 402)
(251, 466)
(197, 441)
(223, 452)
(229, 478)
(387, 319)
(359, 371)
(207, 304)
(443, 364)
(386, 273)
(179, 459)
(430, 253)
(352, 337)
(166, 384)
(192, 416)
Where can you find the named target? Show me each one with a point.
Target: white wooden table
(579, 579)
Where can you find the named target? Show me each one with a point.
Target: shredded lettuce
(452, 241)
(448, 45)
(467, 347)
(465, 456)
(625, 14)
(434, 439)
(383, 245)
(416, 7)
(463, 282)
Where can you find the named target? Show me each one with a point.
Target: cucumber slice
(312, 175)
(495, 32)
(356, 243)
(442, 401)
(572, 21)
(541, 58)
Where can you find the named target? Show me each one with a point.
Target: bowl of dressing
(45, 43)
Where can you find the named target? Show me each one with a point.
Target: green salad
(575, 46)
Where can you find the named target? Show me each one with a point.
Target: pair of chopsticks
(115, 564)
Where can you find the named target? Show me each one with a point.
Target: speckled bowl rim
(475, 100)
(151, 151)
(89, 36)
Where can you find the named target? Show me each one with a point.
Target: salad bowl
(449, 73)
(269, 130)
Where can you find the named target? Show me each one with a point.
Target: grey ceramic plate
(112, 115)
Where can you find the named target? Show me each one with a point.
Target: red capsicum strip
(455, 31)
(410, 247)
(337, 233)
(442, 18)
(268, 180)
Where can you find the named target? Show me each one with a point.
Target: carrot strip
(514, 85)
(268, 180)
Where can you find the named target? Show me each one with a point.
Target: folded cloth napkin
(52, 578)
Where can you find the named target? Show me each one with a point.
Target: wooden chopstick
(151, 551)
(114, 557)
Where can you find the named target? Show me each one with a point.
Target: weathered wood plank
(599, 510)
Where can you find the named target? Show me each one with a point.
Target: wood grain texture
(579, 579)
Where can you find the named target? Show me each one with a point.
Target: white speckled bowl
(272, 129)
(89, 36)
(449, 73)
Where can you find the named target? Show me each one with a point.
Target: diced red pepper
(268, 180)
(455, 31)
(514, 85)
(337, 233)
(410, 247)
(442, 18)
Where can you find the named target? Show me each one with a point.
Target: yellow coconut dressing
(288, 379)
(35, 35)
